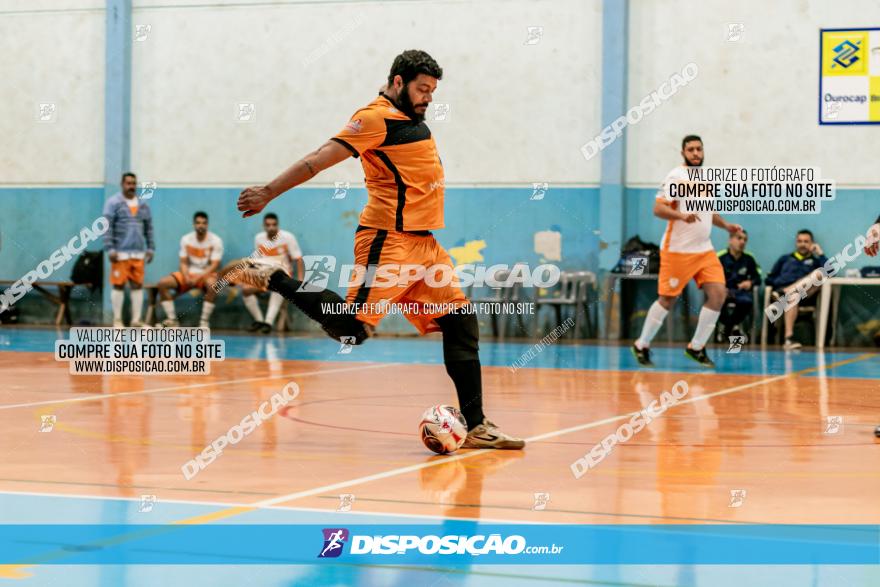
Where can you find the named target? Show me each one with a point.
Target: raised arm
(720, 222)
(253, 199)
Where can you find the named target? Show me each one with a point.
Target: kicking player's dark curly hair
(411, 63)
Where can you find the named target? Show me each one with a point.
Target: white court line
(725, 391)
(271, 502)
(417, 467)
(226, 504)
(538, 438)
(93, 398)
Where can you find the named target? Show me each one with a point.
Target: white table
(827, 292)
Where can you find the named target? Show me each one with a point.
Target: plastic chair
(574, 291)
(765, 322)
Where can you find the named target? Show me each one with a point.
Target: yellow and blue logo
(844, 53)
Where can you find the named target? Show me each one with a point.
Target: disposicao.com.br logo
(319, 268)
(334, 540)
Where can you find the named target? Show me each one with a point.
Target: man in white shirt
(281, 247)
(200, 255)
(686, 253)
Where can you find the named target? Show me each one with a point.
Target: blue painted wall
(506, 218)
(503, 217)
(37, 221)
(772, 235)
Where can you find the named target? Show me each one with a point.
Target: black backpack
(636, 247)
(89, 268)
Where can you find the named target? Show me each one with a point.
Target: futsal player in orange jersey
(404, 178)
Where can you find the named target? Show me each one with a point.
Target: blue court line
(562, 355)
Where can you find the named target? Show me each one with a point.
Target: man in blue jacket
(128, 242)
(788, 273)
(742, 273)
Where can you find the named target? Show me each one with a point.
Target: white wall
(519, 113)
(52, 55)
(755, 101)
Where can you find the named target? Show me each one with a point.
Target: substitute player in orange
(200, 253)
(686, 253)
(404, 177)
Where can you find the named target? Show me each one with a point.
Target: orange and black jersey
(402, 169)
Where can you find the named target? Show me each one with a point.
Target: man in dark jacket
(788, 273)
(742, 273)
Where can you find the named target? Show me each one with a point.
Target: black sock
(469, 386)
(322, 306)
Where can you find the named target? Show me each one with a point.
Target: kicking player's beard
(408, 107)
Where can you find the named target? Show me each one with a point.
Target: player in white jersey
(200, 255)
(686, 253)
(281, 247)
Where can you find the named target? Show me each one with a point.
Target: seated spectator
(793, 270)
(741, 273)
(200, 253)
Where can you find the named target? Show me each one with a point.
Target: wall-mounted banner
(849, 76)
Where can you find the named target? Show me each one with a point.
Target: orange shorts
(677, 269)
(183, 286)
(127, 270)
(421, 299)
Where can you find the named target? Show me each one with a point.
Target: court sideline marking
(537, 438)
(280, 508)
(16, 570)
(93, 398)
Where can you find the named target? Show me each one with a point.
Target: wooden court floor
(755, 430)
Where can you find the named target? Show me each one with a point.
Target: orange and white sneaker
(488, 435)
(253, 272)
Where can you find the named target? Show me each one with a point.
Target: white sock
(117, 296)
(170, 312)
(705, 327)
(253, 306)
(137, 304)
(653, 322)
(207, 308)
(275, 300)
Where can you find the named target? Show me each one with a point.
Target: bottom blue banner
(449, 543)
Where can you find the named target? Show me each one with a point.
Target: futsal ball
(443, 429)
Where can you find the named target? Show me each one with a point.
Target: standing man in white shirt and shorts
(686, 253)
(279, 246)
